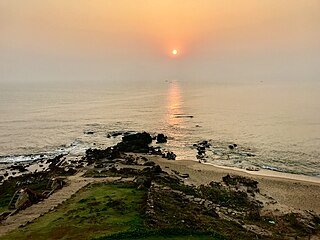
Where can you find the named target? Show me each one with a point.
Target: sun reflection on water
(174, 104)
(179, 124)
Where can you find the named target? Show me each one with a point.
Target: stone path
(75, 183)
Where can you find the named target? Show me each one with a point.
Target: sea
(277, 122)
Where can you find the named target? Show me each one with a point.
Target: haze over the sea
(104, 41)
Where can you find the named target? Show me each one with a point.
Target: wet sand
(294, 191)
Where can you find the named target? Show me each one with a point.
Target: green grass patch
(159, 234)
(96, 210)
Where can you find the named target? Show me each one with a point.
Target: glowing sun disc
(174, 52)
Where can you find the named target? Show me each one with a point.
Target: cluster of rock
(207, 150)
(201, 148)
(134, 142)
(161, 138)
(26, 187)
(53, 166)
(174, 204)
(237, 182)
(230, 204)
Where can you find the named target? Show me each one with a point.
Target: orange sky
(150, 29)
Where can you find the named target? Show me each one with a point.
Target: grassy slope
(96, 210)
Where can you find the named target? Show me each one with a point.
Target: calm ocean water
(279, 123)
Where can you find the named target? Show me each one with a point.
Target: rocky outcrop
(201, 149)
(161, 138)
(238, 180)
(19, 167)
(97, 154)
(135, 142)
(169, 156)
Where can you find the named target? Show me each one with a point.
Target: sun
(174, 51)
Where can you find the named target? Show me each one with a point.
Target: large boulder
(161, 138)
(142, 138)
(135, 142)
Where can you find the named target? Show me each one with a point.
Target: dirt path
(75, 183)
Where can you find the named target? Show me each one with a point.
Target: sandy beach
(293, 191)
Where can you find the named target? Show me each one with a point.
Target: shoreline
(271, 174)
(260, 173)
(291, 192)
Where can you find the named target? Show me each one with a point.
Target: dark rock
(251, 155)
(161, 138)
(96, 154)
(115, 134)
(89, 132)
(20, 168)
(183, 116)
(184, 175)
(201, 148)
(169, 156)
(132, 147)
(143, 138)
(231, 146)
(200, 153)
(205, 144)
(238, 180)
(135, 142)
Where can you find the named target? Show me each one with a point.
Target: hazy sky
(120, 40)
